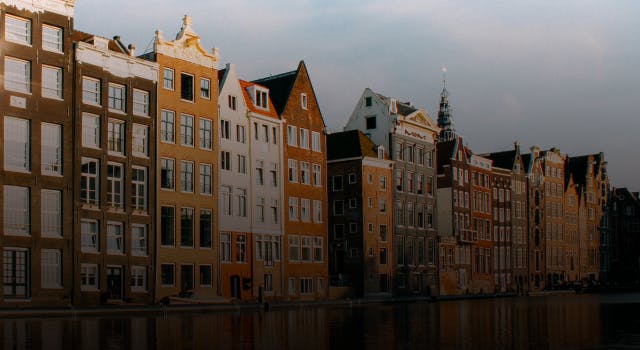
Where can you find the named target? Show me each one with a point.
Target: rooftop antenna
(444, 77)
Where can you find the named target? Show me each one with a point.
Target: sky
(549, 73)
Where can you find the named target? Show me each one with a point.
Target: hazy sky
(550, 73)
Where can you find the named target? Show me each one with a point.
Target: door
(235, 287)
(114, 282)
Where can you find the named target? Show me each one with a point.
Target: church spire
(445, 120)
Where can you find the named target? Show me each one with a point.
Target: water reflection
(558, 322)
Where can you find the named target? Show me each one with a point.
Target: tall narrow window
(317, 211)
(242, 202)
(167, 226)
(293, 208)
(139, 240)
(206, 230)
(51, 213)
(167, 126)
(90, 233)
(225, 129)
(205, 88)
(17, 75)
(304, 173)
(51, 153)
(51, 82)
(140, 102)
(167, 173)
(205, 133)
(186, 130)
(168, 79)
(303, 100)
(140, 140)
(225, 247)
(116, 136)
(293, 170)
(51, 38)
(317, 179)
(205, 179)
(115, 189)
(186, 87)
(315, 141)
(16, 144)
(51, 268)
(232, 102)
(90, 130)
(186, 227)
(139, 188)
(89, 181)
(91, 91)
(115, 238)
(304, 138)
(291, 136)
(186, 176)
(138, 278)
(16, 273)
(17, 213)
(117, 97)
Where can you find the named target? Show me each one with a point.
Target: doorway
(114, 282)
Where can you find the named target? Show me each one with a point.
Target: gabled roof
(279, 88)
(350, 144)
(404, 108)
(577, 167)
(271, 112)
(113, 44)
(504, 160)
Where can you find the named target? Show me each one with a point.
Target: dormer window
(394, 106)
(303, 100)
(261, 98)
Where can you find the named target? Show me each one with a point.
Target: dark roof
(503, 159)
(577, 167)
(221, 73)
(350, 144)
(113, 44)
(279, 88)
(526, 161)
(405, 109)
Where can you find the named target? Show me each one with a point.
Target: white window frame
(138, 279)
(15, 33)
(115, 186)
(140, 140)
(90, 240)
(139, 240)
(116, 103)
(167, 126)
(114, 238)
(205, 134)
(305, 209)
(51, 88)
(187, 123)
(208, 90)
(51, 213)
(17, 144)
(183, 184)
(91, 91)
(304, 138)
(315, 141)
(51, 269)
(317, 211)
(17, 210)
(90, 133)
(292, 136)
(86, 273)
(52, 41)
(139, 188)
(316, 175)
(18, 80)
(141, 102)
(293, 208)
(168, 84)
(51, 149)
(293, 170)
(116, 136)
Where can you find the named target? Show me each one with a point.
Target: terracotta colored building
(571, 235)
(553, 164)
(114, 173)
(36, 153)
(360, 248)
(480, 175)
(536, 220)
(305, 239)
(187, 119)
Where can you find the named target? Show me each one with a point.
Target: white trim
(118, 64)
(61, 7)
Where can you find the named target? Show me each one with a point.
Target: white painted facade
(61, 7)
(118, 64)
(380, 109)
(233, 183)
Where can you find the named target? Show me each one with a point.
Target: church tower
(445, 120)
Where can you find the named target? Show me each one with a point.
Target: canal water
(550, 322)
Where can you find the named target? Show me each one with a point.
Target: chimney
(132, 50)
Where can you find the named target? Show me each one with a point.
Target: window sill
(15, 170)
(141, 115)
(52, 174)
(91, 104)
(117, 111)
(168, 189)
(89, 251)
(53, 50)
(54, 98)
(89, 289)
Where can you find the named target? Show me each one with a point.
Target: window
(138, 279)
(306, 285)
(205, 133)
(186, 176)
(91, 91)
(294, 248)
(17, 30)
(353, 227)
(226, 199)
(225, 131)
(90, 130)
(370, 122)
(167, 226)
(139, 188)
(115, 238)
(225, 247)
(429, 159)
(315, 141)
(232, 102)
(186, 87)
(205, 88)
(51, 154)
(338, 207)
(206, 274)
(293, 208)
(167, 274)
(51, 213)
(139, 240)
(16, 144)
(265, 133)
(274, 135)
(186, 227)
(116, 136)
(186, 130)
(304, 173)
(241, 248)
(305, 209)
(205, 179)
(89, 231)
(261, 98)
(117, 97)
(17, 218)
(338, 231)
(89, 277)
(367, 101)
(275, 216)
(242, 164)
(352, 178)
(318, 254)
(51, 38)
(337, 183)
(241, 135)
(259, 172)
(167, 126)
(89, 181)
(307, 246)
(167, 173)
(292, 286)
(51, 82)
(353, 203)
(268, 283)
(317, 180)
(293, 170)
(382, 205)
(206, 229)
(304, 138)
(242, 202)
(140, 140)
(383, 233)
(140, 102)
(51, 268)
(115, 180)
(225, 160)
(292, 139)
(317, 211)
(274, 174)
(303, 100)
(168, 79)
(260, 210)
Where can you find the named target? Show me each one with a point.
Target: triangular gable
(186, 46)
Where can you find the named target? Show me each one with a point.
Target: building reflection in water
(510, 323)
